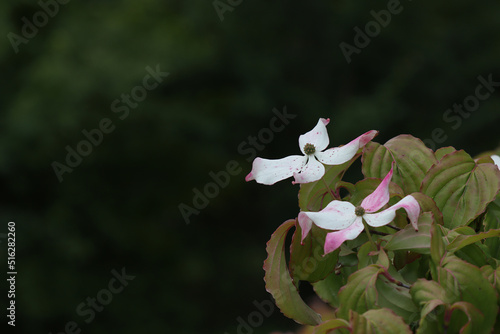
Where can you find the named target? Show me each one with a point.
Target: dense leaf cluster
(442, 278)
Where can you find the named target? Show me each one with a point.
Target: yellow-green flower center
(309, 149)
(359, 211)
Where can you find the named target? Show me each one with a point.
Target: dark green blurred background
(120, 206)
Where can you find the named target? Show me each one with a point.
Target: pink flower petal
(337, 215)
(496, 160)
(380, 197)
(409, 203)
(335, 239)
(305, 225)
(339, 155)
(269, 172)
(313, 171)
(318, 136)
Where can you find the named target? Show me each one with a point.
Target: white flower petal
(409, 203)
(335, 239)
(496, 160)
(380, 219)
(339, 155)
(268, 172)
(318, 136)
(337, 215)
(313, 171)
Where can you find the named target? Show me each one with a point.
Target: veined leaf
(307, 261)
(360, 293)
(328, 289)
(440, 153)
(395, 298)
(411, 240)
(472, 313)
(461, 188)
(279, 282)
(465, 240)
(413, 160)
(328, 326)
(475, 289)
(381, 321)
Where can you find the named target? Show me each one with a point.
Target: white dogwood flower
(348, 219)
(309, 166)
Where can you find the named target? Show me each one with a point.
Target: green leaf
(461, 188)
(429, 295)
(364, 259)
(465, 240)
(461, 286)
(424, 291)
(411, 240)
(331, 325)
(328, 289)
(437, 244)
(307, 262)
(430, 322)
(413, 160)
(493, 276)
(396, 298)
(383, 259)
(279, 282)
(314, 196)
(381, 321)
(440, 153)
(473, 254)
(492, 221)
(360, 293)
(474, 288)
(472, 313)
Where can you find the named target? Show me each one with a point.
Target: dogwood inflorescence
(309, 166)
(348, 219)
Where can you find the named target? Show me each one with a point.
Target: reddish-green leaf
(440, 153)
(331, 325)
(461, 188)
(411, 240)
(360, 293)
(437, 244)
(471, 312)
(465, 240)
(328, 289)
(307, 261)
(424, 291)
(473, 288)
(381, 321)
(413, 160)
(279, 282)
